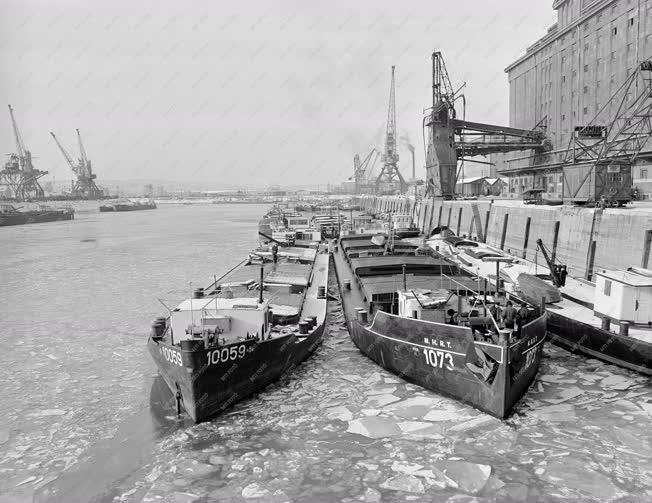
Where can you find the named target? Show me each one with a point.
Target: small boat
(397, 306)
(10, 215)
(243, 332)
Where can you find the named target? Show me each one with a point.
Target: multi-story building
(566, 77)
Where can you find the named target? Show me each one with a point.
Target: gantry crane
(451, 140)
(389, 174)
(84, 187)
(597, 166)
(19, 175)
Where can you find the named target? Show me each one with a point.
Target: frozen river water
(85, 418)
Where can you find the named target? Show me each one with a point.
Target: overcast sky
(241, 92)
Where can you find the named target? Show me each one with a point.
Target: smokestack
(411, 149)
(414, 176)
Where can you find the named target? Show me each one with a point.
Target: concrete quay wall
(585, 239)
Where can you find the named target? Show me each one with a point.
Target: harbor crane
(84, 187)
(362, 170)
(19, 175)
(597, 165)
(451, 140)
(389, 174)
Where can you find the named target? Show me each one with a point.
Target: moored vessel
(244, 331)
(398, 304)
(127, 205)
(10, 215)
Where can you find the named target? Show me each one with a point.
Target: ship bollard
(321, 292)
(624, 328)
(606, 323)
(362, 315)
(303, 327)
(347, 284)
(313, 321)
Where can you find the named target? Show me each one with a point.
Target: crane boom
(19, 139)
(65, 154)
(84, 159)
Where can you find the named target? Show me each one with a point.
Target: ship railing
(478, 296)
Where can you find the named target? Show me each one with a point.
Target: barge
(127, 206)
(398, 304)
(243, 332)
(10, 215)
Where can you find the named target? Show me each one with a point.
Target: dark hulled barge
(234, 338)
(396, 306)
(10, 215)
(119, 206)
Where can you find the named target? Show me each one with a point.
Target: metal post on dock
(404, 278)
(485, 297)
(497, 277)
(624, 328)
(262, 273)
(606, 323)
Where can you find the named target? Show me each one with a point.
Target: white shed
(624, 295)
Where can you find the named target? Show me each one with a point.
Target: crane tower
(389, 174)
(19, 176)
(84, 187)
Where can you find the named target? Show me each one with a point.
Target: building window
(586, 110)
(614, 31)
(613, 55)
(607, 288)
(586, 47)
(563, 60)
(586, 68)
(563, 117)
(586, 89)
(563, 78)
(614, 178)
(631, 21)
(644, 173)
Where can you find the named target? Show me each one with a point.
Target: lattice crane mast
(389, 174)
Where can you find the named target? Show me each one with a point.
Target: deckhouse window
(607, 288)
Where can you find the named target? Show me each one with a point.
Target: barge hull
(577, 337)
